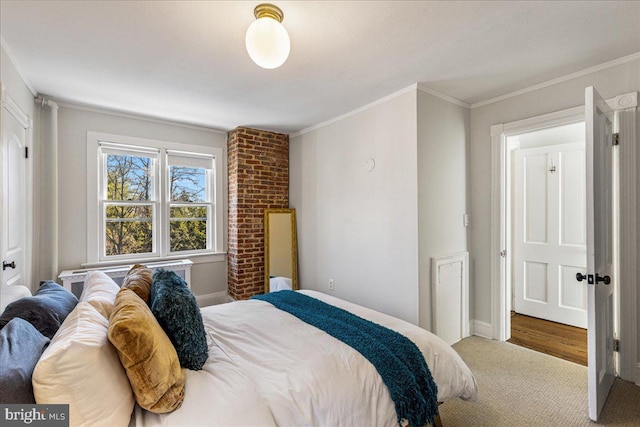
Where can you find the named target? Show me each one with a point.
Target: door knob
(6, 265)
(589, 278)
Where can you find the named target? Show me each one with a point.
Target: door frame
(625, 106)
(7, 102)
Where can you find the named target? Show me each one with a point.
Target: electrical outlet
(331, 286)
(465, 220)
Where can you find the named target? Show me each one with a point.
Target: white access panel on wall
(450, 296)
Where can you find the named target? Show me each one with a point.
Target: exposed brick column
(258, 167)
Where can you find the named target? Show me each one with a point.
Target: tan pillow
(149, 358)
(139, 280)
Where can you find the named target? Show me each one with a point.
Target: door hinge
(616, 346)
(503, 253)
(26, 152)
(615, 139)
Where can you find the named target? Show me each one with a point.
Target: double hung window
(189, 201)
(152, 200)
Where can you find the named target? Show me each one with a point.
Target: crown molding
(586, 71)
(135, 116)
(356, 111)
(456, 101)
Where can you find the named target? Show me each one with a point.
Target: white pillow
(100, 291)
(81, 368)
(9, 294)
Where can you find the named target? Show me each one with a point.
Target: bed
(268, 368)
(265, 367)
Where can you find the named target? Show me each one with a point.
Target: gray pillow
(21, 346)
(45, 310)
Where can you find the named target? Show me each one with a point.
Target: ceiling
(186, 61)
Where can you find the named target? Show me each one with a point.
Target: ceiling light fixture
(267, 40)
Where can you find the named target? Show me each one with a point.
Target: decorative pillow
(46, 310)
(100, 291)
(177, 311)
(139, 280)
(81, 368)
(20, 348)
(146, 353)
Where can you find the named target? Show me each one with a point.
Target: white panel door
(601, 370)
(14, 201)
(550, 233)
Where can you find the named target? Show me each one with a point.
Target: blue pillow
(21, 346)
(177, 311)
(45, 310)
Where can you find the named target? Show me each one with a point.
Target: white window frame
(210, 204)
(161, 245)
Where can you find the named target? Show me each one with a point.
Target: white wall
(443, 133)
(73, 124)
(375, 232)
(356, 226)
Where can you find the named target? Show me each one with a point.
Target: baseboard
(482, 329)
(213, 299)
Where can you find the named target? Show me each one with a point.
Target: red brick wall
(258, 167)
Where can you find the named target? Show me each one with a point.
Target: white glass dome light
(267, 41)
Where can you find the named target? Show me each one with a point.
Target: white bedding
(268, 368)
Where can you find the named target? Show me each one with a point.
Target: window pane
(188, 235)
(196, 212)
(187, 184)
(128, 229)
(128, 237)
(129, 212)
(129, 177)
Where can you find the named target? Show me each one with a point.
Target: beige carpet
(521, 387)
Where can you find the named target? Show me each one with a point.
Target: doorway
(621, 343)
(547, 206)
(549, 224)
(530, 134)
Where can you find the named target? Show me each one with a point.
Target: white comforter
(268, 368)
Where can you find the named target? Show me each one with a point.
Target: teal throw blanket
(396, 358)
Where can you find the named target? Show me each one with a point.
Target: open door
(599, 128)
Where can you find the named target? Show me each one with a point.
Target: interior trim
(586, 71)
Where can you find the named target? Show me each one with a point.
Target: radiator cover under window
(73, 280)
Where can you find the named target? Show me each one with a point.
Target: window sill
(195, 258)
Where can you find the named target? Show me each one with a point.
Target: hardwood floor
(563, 341)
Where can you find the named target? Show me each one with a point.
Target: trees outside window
(129, 210)
(155, 202)
(188, 209)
